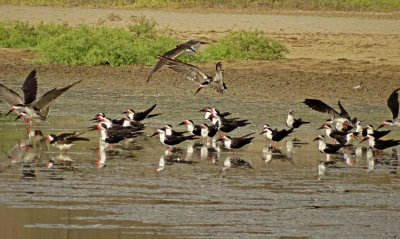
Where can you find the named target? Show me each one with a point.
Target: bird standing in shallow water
(65, 140)
(291, 122)
(236, 143)
(38, 109)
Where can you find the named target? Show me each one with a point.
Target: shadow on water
(198, 190)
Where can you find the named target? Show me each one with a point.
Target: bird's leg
(27, 129)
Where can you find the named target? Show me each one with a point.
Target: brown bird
(189, 47)
(193, 73)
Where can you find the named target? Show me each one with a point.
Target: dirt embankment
(328, 55)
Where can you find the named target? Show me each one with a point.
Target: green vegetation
(335, 5)
(243, 45)
(140, 43)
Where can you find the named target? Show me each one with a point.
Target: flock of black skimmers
(340, 127)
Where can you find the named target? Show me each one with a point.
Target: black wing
(189, 47)
(343, 112)
(30, 87)
(42, 105)
(320, 106)
(9, 96)
(393, 104)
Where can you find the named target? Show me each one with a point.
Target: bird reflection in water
(269, 153)
(370, 161)
(101, 162)
(235, 162)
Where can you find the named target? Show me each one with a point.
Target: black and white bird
(191, 127)
(113, 136)
(393, 104)
(341, 116)
(64, 140)
(380, 144)
(326, 148)
(139, 116)
(276, 135)
(189, 47)
(171, 140)
(29, 88)
(210, 110)
(38, 109)
(236, 143)
(291, 122)
(125, 123)
(169, 131)
(227, 125)
(193, 73)
(336, 135)
(369, 130)
(208, 131)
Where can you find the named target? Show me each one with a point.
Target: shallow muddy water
(89, 192)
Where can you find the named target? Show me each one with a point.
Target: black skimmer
(369, 130)
(345, 140)
(125, 124)
(380, 144)
(236, 143)
(169, 131)
(320, 106)
(340, 125)
(267, 132)
(208, 131)
(112, 136)
(39, 108)
(359, 128)
(333, 134)
(194, 74)
(65, 140)
(139, 116)
(188, 47)
(326, 148)
(210, 111)
(277, 135)
(171, 140)
(393, 104)
(29, 89)
(192, 128)
(227, 125)
(291, 122)
(124, 121)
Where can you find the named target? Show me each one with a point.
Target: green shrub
(243, 45)
(100, 45)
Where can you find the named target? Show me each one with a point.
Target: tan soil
(328, 55)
